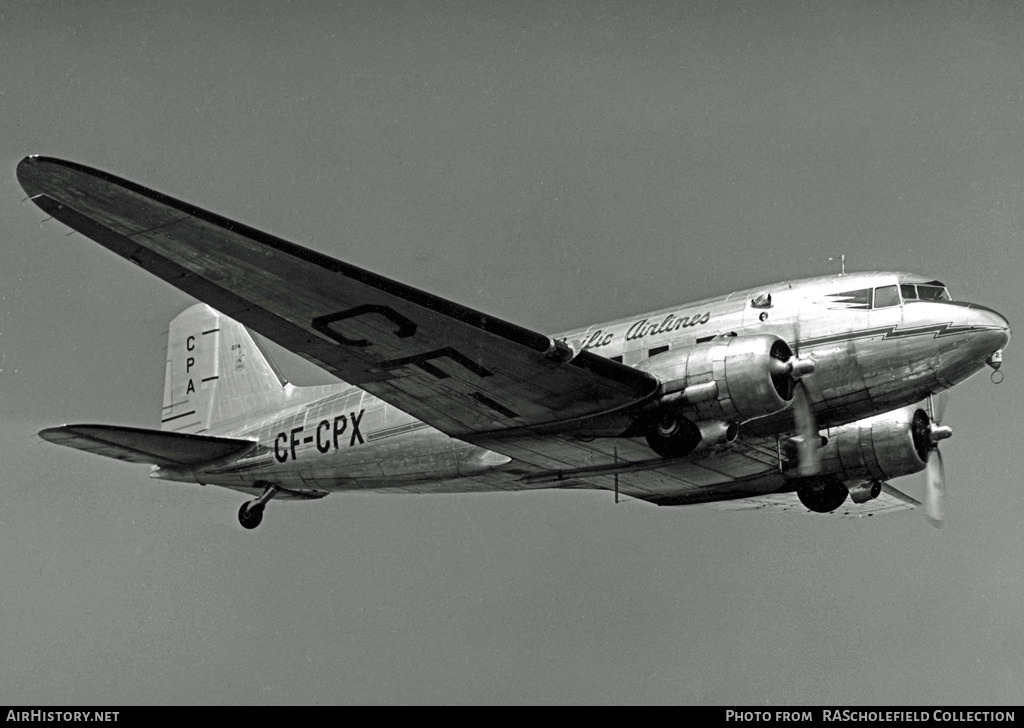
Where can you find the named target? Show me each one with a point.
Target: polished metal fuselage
(868, 361)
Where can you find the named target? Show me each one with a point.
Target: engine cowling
(881, 447)
(711, 387)
(731, 379)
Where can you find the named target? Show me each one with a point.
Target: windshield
(933, 291)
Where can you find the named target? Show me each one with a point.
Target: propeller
(937, 406)
(808, 440)
(935, 472)
(789, 376)
(935, 489)
(809, 459)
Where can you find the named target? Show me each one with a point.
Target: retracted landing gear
(251, 513)
(822, 493)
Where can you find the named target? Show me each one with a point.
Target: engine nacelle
(880, 447)
(731, 379)
(708, 389)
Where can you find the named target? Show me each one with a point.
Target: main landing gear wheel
(250, 514)
(822, 493)
(672, 435)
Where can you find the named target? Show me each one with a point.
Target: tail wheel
(250, 515)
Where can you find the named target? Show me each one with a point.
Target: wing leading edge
(455, 368)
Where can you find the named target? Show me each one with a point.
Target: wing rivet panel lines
(327, 434)
(422, 361)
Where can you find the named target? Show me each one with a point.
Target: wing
(746, 475)
(745, 468)
(454, 368)
(156, 447)
(890, 500)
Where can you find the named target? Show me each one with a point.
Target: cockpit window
(886, 296)
(932, 293)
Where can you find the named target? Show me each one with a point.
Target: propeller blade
(935, 489)
(808, 438)
(938, 404)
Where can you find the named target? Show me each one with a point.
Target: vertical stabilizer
(215, 373)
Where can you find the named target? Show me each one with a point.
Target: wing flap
(457, 369)
(154, 447)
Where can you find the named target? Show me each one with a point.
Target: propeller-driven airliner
(806, 395)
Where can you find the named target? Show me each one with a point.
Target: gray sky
(554, 164)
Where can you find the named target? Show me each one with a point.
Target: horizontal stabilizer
(156, 447)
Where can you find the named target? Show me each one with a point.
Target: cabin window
(657, 350)
(908, 291)
(886, 296)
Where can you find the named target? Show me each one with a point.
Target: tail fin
(216, 372)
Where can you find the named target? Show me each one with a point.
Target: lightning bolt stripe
(893, 332)
(850, 300)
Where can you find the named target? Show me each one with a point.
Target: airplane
(806, 395)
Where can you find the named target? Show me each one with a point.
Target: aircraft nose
(995, 326)
(1000, 321)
